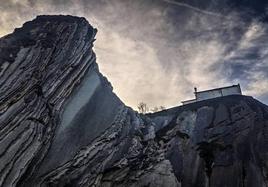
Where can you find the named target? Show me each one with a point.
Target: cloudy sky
(157, 51)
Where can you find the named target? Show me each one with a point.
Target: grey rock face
(225, 148)
(61, 124)
(50, 85)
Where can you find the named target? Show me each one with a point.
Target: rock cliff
(62, 125)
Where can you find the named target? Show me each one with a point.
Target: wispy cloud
(249, 61)
(182, 4)
(157, 51)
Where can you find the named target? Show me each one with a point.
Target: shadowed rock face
(219, 142)
(61, 124)
(53, 98)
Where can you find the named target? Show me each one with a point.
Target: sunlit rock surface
(61, 124)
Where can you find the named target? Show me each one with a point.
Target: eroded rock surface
(61, 124)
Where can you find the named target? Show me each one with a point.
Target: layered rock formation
(42, 65)
(61, 124)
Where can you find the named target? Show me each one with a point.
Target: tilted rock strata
(61, 124)
(42, 64)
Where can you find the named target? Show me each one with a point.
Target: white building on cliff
(217, 92)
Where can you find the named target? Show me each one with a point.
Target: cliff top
(44, 29)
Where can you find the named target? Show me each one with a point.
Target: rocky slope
(61, 124)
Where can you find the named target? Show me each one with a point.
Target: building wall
(232, 91)
(235, 90)
(208, 95)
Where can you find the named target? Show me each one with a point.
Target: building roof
(238, 85)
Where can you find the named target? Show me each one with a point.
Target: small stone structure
(217, 92)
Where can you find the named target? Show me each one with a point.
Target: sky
(157, 51)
